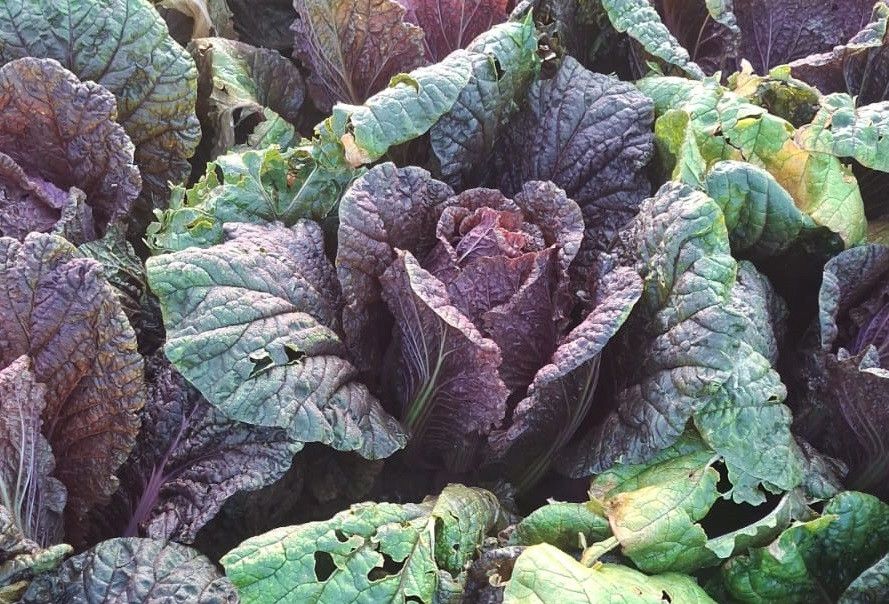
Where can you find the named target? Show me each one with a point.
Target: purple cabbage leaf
(65, 163)
(188, 460)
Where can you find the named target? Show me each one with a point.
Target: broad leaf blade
(101, 41)
(251, 323)
(61, 311)
(140, 570)
(353, 47)
(373, 551)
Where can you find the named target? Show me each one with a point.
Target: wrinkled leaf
(503, 63)
(21, 559)
(699, 364)
(857, 65)
(256, 186)
(844, 131)
(449, 25)
(133, 570)
(565, 132)
(62, 133)
(101, 40)
(641, 22)
(241, 86)
(126, 273)
(373, 551)
(28, 491)
(815, 559)
(562, 390)
(188, 460)
(760, 214)
(61, 311)
(385, 209)
(444, 363)
(353, 47)
(561, 525)
(701, 123)
(251, 323)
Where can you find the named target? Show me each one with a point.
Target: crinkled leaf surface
(251, 323)
(373, 551)
(846, 379)
(588, 133)
(103, 41)
(815, 559)
(698, 363)
(387, 208)
(133, 570)
(700, 123)
(21, 558)
(188, 460)
(60, 311)
(639, 20)
(775, 32)
(34, 498)
(546, 575)
(844, 131)
(760, 214)
(449, 25)
(414, 102)
(241, 86)
(562, 390)
(870, 586)
(561, 524)
(63, 132)
(353, 47)
(261, 187)
(445, 364)
(503, 63)
(125, 271)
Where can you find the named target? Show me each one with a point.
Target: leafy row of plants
(444, 301)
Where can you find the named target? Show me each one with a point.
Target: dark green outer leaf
(256, 186)
(125, 271)
(871, 586)
(251, 323)
(124, 46)
(640, 21)
(503, 67)
(816, 559)
(698, 363)
(121, 571)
